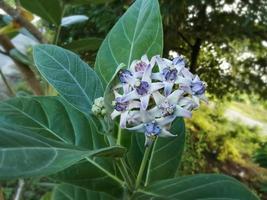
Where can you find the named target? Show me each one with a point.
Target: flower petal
(165, 133)
(123, 119)
(144, 101)
(115, 114)
(175, 96)
(165, 120)
(158, 98)
(156, 86)
(147, 74)
(144, 59)
(130, 96)
(167, 88)
(181, 112)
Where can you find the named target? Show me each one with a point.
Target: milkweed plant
(115, 130)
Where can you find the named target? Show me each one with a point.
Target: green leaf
(25, 154)
(86, 44)
(93, 174)
(75, 81)
(49, 10)
(138, 32)
(53, 118)
(166, 154)
(70, 192)
(203, 186)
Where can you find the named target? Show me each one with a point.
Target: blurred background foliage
(224, 41)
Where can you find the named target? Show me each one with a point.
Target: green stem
(119, 136)
(106, 171)
(123, 169)
(142, 167)
(56, 38)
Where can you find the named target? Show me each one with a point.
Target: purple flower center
(140, 66)
(178, 61)
(170, 74)
(198, 88)
(152, 129)
(124, 75)
(142, 88)
(120, 105)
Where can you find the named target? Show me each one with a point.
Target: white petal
(167, 88)
(115, 114)
(144, 101)
(181, 112)
(123, 119)
(175, 96)
(138, 128)
(130, 96)
(156, 76)
(162, 63)
(165, 133)
(156, 86)
(147, 74)
(165, 120)
(134, 104)
(132, 66)
(144, 58)
(158, 98)
(187, 73)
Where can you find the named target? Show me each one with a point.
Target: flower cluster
(152, 93)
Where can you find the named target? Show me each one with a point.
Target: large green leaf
(53, 118)
(71, 77)
(85, 44)
(138, 32)
(204, 187)
(24, 154)
(70, 192)
(165, 156)
(50, 10)
(93, 174)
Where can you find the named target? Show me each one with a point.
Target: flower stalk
(143, 166)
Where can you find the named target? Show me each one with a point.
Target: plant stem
(123, 169)
(143, 166)
(115, 178)
(9, 88)
(119, 136)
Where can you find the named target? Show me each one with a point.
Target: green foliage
(138, 32)
(86, 44)
(208, 186)
(50, 10)
(212, 136)
(71, 77)
(61, 192)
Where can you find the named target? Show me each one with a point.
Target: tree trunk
(194, 55)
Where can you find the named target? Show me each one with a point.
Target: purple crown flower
(153, 93)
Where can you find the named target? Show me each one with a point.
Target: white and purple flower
(151, 94)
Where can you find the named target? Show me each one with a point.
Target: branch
(9, 88)
(19, 189)
(25, 70)
(4, 53)
(22, 21)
